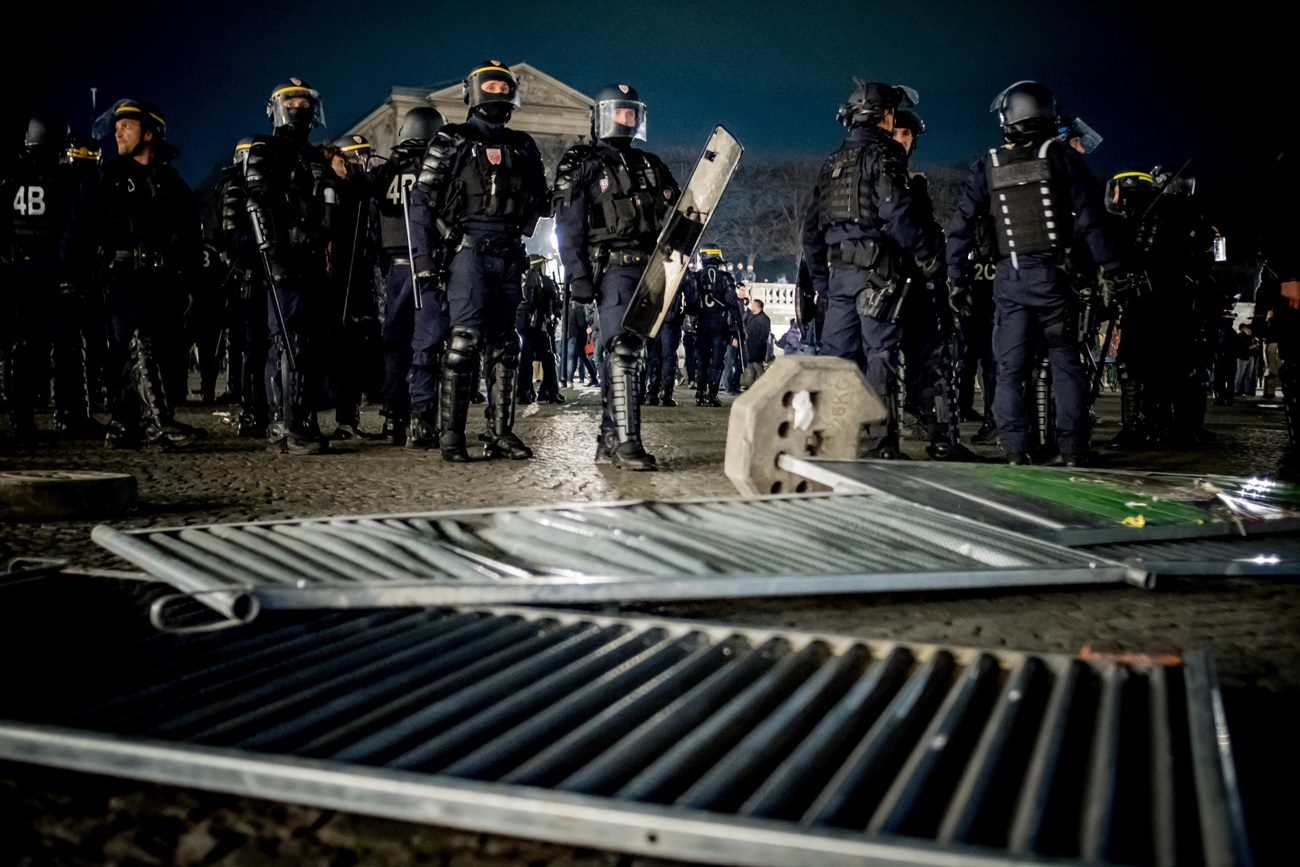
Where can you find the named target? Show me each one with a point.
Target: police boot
(459, 379)
(299, 434)
(623, 375)
(394, 431)
(986, 433)
(1131, 431)
(711, 396)
(944, 447)
(424, 431)
(159, 426)
(500, 439)
(72, 418)
(652, 397)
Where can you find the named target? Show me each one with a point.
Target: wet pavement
(1251, 625)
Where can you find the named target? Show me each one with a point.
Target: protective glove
(1117, 287)
(961, 297)
(582, 290)
(931, 268)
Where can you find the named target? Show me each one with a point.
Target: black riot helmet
(1179, 183)
(711, 253)
(420, 124)
(241, 151)
(81, 150)
(297, 117)
(355, 147)
(485, 94)
(46, 132)
(150, 117)
(1129, 194)
(613, 108)
(1027, 111)
(869, 101)
(905, 118)
(1074, 129)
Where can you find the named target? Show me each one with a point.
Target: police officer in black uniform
(134, 233)
(712, 300)
(864, 220)
(353, 314)
(291, 199)
(929, 337)
(40, 322)
(661, 363)
(611, 200)
(482, 187)
(1046, 200)
(249, 333)
(81, 157)
(413, 339)
(1279, 291)
(535, 322)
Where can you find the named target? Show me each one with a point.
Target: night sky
(1159, 87)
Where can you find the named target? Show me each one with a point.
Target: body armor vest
(38, 197)
(493, 181)
(632, 202)
(393, 197)
(295, 179)
(839, 187)
(717, 289)
(1031, 214)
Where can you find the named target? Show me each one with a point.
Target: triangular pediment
(536, 88)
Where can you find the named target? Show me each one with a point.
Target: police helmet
(355, 147)
(46, 131)
(298, 117)
(241, 151)
(150, 117)
(1179, 183)
(870, 99)
(711, 252)
(1129, 194)
(1072, 128)
(486, 72)
(420, 124)
(81, 149)
(609, 113)
(905, 118)
(537, 260)
(1027, 110)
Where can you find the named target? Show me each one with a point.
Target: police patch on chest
(494, 156)
(604, 183)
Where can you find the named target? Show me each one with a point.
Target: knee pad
(463, 349)
(505, 350)
(626, 348)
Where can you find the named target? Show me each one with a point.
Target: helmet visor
(489, 84)
(295, 103)
(620, 118)
(1088, 137)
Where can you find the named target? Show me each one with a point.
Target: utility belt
(886, 288)
(501, 248)
(626, 257)
(136, 259)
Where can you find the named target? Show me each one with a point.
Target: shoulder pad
(439, 156)
(568, 176)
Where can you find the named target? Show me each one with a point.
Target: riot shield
(681, 234)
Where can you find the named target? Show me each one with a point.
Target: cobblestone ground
(64, 818)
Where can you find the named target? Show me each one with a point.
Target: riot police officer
(353, 314)
(863, 221)
(929, 336)
(481, 188)
(1047, 200)
(661, 361)
(134, 233)
(611, 200)
(412, 338)
(712, 300)
(536, 322)
(247, 304)
(41, 323)
(1280, 291)
(291, 198)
